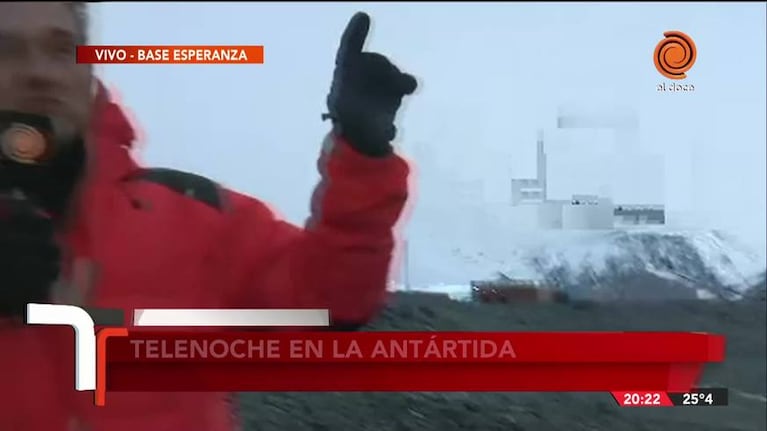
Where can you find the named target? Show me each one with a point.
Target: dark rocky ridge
(744, 372)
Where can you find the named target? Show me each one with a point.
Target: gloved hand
(366, 93)
(29, 256)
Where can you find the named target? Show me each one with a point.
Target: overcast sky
(491, 75)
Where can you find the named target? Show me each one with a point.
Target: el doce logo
(674, 56)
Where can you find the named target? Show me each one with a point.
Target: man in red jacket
(81, 223)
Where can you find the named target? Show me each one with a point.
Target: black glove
(366, 93)
(29, 256)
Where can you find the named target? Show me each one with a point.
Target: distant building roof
(638, 208)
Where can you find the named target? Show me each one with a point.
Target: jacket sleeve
(341, 259)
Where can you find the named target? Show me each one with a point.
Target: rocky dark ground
(744, 372)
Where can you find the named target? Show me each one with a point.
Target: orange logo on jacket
(23, 144)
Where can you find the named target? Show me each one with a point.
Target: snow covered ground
(445, 253)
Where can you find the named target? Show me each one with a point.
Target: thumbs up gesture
(366, 92)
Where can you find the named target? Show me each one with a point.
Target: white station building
(530, 201)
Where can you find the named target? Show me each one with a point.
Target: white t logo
(85, 337)
(90, 348)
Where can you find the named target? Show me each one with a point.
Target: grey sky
(491, 75)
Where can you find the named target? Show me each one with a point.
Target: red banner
(416, 347)
(642, 399)
(407, 361)
(170, 54)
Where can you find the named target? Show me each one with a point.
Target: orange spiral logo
(675, 55)
(23, 144)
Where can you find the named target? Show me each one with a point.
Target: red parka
(137, 243)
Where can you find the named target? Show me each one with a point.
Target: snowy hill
(759, 289)
(650, 263)
(641, 263)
